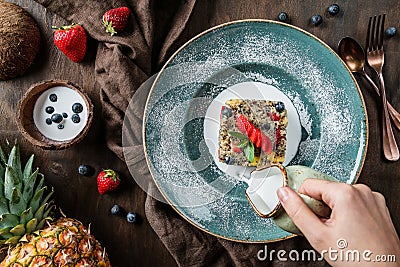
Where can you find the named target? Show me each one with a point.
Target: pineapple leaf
(5, 237)
(17, 202)
(28, 168)
(13, 240)
(46, 213)
(3, 159)
(31, 225)
(35, 201)
(11, 181)
(40, 184)
(29, 185)
(8, 220)
(23, 239)
(39, 213)
(26, 215)
(18, 230)
(2, 174)
(3, 205)
(14, 160)
(5, 231)
(47, 197)
(42, 222)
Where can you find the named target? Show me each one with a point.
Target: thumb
(302, 216)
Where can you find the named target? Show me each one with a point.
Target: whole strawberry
(115, 19)
(107, 181)
(71, 40)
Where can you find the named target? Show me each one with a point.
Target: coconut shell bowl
(54, 114)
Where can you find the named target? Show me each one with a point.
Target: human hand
(359, 216)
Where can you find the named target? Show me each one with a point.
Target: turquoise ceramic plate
(323, 91)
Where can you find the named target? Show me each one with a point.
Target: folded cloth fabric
(123, 63)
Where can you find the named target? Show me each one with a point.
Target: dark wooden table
(138, 245)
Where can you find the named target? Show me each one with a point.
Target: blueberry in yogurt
(75, 118)
(77, 108)
(57, 118)
(49, 110)
(52, 113)
(53, 97)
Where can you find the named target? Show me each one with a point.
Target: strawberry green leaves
(249, 152)
(240, 136)
(245, 144)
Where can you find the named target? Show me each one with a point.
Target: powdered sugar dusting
(329, 108)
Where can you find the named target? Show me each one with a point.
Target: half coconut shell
(25, 121)
(19, 40)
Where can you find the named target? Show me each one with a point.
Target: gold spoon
(351, 52)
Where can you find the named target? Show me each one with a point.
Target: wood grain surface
(138, 245)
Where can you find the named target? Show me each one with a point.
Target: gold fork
(375, 58)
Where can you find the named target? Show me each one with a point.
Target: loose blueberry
(316, 20)
(116, 210)
(283, 16)
(65, 115)
(77, 108)
(85, 170)
(60, 126)
(57, 118)
(391, 31)
(280, 106)
(333, 9)
(48, 121)
(227, 160)
(75, 118)
(131, 217)
(53, 97)
(226, 112)
(49, 110)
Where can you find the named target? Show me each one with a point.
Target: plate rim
(172, 57)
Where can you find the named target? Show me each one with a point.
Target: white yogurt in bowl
(59, 100)
(55, 114)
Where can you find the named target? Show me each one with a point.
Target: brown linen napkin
(123, 63)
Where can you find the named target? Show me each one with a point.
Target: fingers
(298, 211)
(326, 191)
(383, 209)
(380, 200)
(332, 193)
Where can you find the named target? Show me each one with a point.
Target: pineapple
(23, 209)
(64, 243)
(25, 223)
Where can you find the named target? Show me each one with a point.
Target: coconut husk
(19, 40)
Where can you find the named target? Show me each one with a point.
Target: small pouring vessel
(265, 180)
